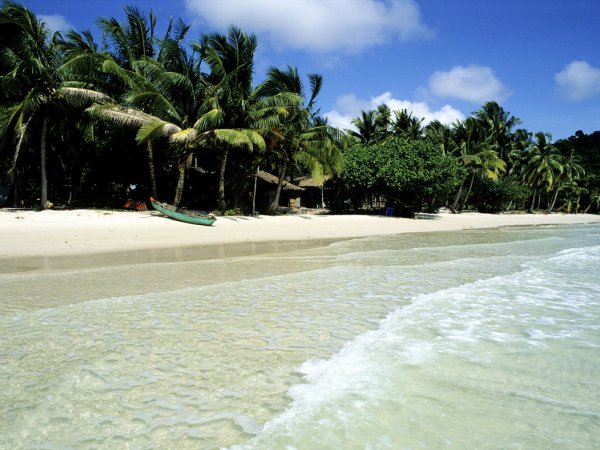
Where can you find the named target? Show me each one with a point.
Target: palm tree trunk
(464, 203)
(184, 163)
(44, 201)
(551, 205)
(221, 200)
(152, 171)
(455, 204)
(13, 166)
(275, 203)
(592, 201)
(532, 202)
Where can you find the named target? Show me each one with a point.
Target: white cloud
(348, 107)
(56, 22)
(474, 83)
(578, 80)
(323, 26)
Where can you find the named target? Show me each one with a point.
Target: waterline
(478, 338)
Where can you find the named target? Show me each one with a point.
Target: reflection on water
(203, 353)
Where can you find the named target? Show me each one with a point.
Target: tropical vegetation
(87, 124)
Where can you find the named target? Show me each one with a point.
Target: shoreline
(79, 233)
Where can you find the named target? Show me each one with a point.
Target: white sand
(77, 232)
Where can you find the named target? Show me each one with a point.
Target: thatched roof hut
(272, 179)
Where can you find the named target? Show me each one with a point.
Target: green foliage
(498, 196)
(233, 212)
(138, 109)
(408, 173)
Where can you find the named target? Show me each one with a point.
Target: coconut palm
(129, 42)
(406, 125)
(247, 112)
(164, 104)
(543, 167)
(37, 85)
(372, 126)
(572, 171)
(366, 127)
(498, 125)
(440, 135)
(303, 138)
(477, 156)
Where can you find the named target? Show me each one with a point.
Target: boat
(183, 215)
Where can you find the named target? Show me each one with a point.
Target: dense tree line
(483, 163)
(89, 124)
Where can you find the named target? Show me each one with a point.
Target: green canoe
(183, 215)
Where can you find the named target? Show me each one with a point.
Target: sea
(472, 339)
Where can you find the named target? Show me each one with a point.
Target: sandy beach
(86, 232)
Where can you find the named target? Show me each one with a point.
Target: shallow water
(473, 339)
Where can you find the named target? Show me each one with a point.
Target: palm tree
(366, 127)
(246, 112)
(476, 155)
(165, 104)
(38, 87)
(372, 126)
(571, 172)
(543, 167)
(406, 125)
(130, 42)
(303, 138)
(498, 125)
(440, 135)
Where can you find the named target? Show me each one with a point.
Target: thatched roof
(309, 182)
(272, 179)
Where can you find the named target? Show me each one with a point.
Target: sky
(439, 59)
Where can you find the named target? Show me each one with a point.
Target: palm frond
(185, 137)
(80, 97)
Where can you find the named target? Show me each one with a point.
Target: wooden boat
(183, 215)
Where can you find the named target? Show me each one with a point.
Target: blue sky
(441, 59)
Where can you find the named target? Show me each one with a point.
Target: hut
(265, 192)
(313, 195)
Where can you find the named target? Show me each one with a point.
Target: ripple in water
(473, 339)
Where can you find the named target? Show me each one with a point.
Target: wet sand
(50, 239)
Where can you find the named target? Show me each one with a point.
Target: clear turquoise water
(473, 339)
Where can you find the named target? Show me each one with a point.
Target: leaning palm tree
(476, 155)
(498, 125)
(543, 167)
(440, 135)
(572, 171)
(37, 85)
(129, 42)
(248, 113)
(303, 138)
(163, 104)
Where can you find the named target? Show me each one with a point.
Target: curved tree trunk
(532, 202)
(44, 200)
(551, 205)
(588, 206)
(221, 200)
(275, 203)
(457, 198)
(152, 171)
(184, 163)
(13, 166)
(464, 203)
